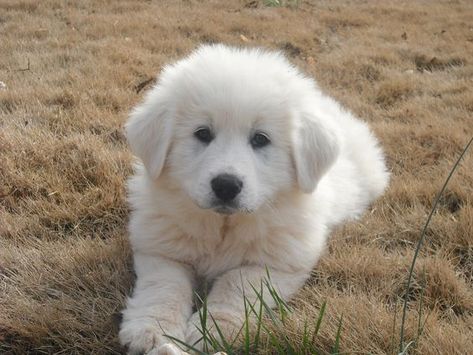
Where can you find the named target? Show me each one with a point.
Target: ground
(72, 70)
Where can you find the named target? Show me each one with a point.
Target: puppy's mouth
(225, 209)
(229, 208)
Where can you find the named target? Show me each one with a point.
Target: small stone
(244, 38)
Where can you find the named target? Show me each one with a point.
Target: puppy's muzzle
(226, 187)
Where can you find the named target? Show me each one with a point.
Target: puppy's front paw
(167, 349)
(142, 336)
(228, 323)
(139, 337)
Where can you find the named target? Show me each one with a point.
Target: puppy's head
(233, 128)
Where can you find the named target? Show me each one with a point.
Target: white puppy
(246, 166)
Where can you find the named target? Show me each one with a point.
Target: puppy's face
(232, 129)
(231, 146)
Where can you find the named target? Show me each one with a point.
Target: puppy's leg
(161, 304)
(225, 301)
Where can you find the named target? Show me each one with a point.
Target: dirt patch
(423, 62)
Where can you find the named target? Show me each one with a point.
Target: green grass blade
(203, 312)
(274, 293)
(272, 315)
(246, 325)
(404, 351)
(305, 335)
(258, 316)
(336, 347)
(319, 319)
(277, 322)
(393, 345)
(419, 244)
(259, 320)
(224, 343)
(421, 304)
(281, 305)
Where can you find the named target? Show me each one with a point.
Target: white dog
(246, 167)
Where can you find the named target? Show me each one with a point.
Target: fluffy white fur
(322, 166)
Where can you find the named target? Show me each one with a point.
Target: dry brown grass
(406, 68)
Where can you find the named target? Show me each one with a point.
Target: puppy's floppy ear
(316, 147)
(149, 130)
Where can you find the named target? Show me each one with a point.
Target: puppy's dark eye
(204, 134)
(259, 140)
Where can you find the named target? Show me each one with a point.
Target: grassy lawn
(72, 70)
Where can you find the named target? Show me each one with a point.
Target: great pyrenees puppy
(246, 165)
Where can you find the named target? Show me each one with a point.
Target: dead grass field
(73, 69)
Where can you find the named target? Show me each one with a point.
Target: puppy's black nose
(226, 187)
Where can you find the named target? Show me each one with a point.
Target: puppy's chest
(224, 255)
(217, 250)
